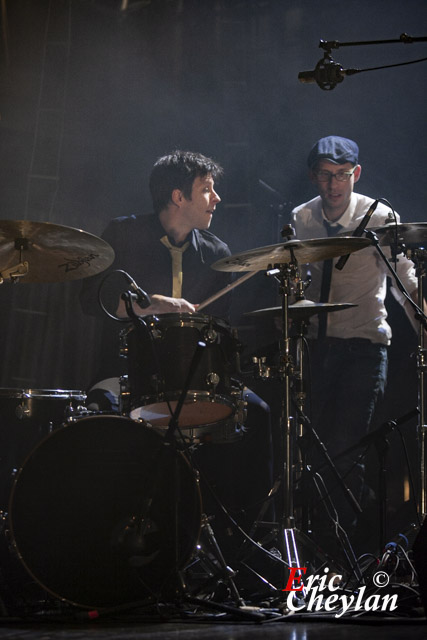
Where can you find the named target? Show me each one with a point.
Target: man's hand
(163, 304)
(159, 304)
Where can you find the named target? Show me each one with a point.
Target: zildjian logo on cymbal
(76, 263)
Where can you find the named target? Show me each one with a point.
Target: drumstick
(226, 289)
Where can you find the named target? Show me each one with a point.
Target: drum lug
(262, 370)
(68, 415)
(124, 398)
(240, 403)
(5, 531)
(212, 380)
(3, 522)
(158, 384)
(22, 411)
(241, 412)
(123, 344)
(210, 335)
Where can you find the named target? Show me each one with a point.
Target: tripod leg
(212, 562)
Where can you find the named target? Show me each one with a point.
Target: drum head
(103, 513)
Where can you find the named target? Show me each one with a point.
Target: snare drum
(159, 357)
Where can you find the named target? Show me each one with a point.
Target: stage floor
(286, 629)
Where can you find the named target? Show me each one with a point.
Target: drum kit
(105, 509)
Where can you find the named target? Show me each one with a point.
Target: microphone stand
(282, 207)
(379, 438)
(328, 45)
(418, 256)
(329, 73)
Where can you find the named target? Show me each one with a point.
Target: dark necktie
(326, 280)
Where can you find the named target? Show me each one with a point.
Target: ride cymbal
(53, 252)
(409, 233)
(302, 251)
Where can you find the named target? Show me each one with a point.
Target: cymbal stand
(286, 273)
(18, 270)
(419, 258)
(304, 430)
(299, 397)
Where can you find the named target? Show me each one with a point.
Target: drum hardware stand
(226, 573)
(14, 273)
(290, 533)
(293, 375)
(379, 438)
(19, 270)
(287, 532)
(285, 273)
(418, 256)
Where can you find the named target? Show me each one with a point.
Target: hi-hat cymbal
(409, 233)
(54, 252)
(301, 309)
(301, 250)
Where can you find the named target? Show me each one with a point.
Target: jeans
(348, 378)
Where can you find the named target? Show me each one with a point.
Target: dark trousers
(348, 378)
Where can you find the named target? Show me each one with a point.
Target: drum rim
(195, 398)
(188, 317)
(30, 392)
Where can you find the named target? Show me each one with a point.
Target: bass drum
(26, 417)
(104, 513)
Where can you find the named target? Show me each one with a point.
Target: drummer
(349, 347)
(169, 253)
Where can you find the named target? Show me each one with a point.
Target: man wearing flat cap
(348, 347)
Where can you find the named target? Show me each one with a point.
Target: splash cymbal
(51, 252)
(301, 250)
(301, 309)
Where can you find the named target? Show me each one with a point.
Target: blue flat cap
(335, 149)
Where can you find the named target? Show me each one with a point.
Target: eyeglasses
(341, 176)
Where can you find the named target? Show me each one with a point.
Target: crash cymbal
(409, 233)
(301, 309)
(54, 252)
(302, 250)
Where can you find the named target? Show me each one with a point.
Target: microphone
(358, 232)
(142, 298)
(327, 74)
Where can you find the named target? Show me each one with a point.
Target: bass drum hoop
(77, 500)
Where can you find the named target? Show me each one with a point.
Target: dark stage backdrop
(93, 91)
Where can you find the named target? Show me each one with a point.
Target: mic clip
(328, 73)
(140, 296)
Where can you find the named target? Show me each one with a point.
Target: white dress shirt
(362, 281)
